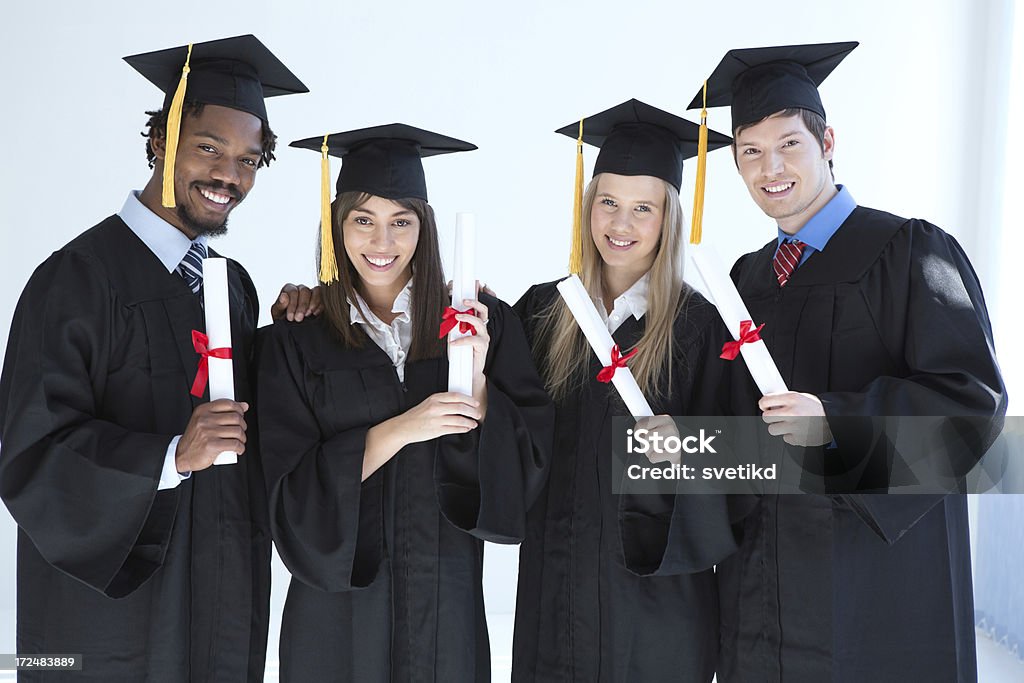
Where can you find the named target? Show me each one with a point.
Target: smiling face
(380, 239)
(785, 169)
(218, 154)
(625, 223)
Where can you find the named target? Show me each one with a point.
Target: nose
(225, 170)
(771, 163)
(382, 237)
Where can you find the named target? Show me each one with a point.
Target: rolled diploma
(218, 329)
(596, 332)
(460, 358)
(720, 289)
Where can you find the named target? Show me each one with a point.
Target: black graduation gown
(581, 616)
(888, 320)
(387, 573)
(146, 585)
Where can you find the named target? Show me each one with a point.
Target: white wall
(909, 108)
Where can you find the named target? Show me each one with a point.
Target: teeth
(619, 243)
(778, 188)
(214, 197)
(381, 262)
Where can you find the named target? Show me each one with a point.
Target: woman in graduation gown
(595, 604)
(382, 484)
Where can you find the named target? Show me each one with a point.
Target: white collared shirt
(632, 302)
(170, 246)
(394, 339)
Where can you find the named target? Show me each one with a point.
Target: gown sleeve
(664, 534)
(326, 522)
(951, 376)
(83, 488)
(488, 478)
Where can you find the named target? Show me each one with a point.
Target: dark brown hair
(428, 289)
(814, 123)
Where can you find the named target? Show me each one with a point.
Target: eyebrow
(403, 212)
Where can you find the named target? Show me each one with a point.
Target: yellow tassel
(576, 244)
(173, 128)
(328, 262)
(697, 222)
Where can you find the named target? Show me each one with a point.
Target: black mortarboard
(234, 72)
(384, 161)
(638, 139)
(762, 81)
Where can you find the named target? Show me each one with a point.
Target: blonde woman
(592, 607)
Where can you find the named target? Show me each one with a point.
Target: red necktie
(786, 260)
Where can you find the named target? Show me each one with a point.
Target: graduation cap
(762, 81)
(234, 72)
(635, 139)
(384, 161)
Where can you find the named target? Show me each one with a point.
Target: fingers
(224, 405)
(316, 303)
(295, 302)
(450, 404)
(481, 310)
(286, 302)
(776, 401)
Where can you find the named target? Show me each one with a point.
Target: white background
(919, 111)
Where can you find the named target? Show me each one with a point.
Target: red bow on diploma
(618, 361)
(448, 322)
(201, 343)
(747, 336)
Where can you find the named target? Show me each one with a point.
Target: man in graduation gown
(866, 314)
(133, 551)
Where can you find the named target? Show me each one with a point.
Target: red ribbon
(747, 336)
(448, 322)
(201, 343)
(618, 361)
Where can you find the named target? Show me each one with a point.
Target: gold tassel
(697, 222)
(576, 244)
(173, 128)
(328, 262)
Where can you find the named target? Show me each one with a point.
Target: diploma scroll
(218, 329)
(460, 358)
(596, 332)
(719, 288)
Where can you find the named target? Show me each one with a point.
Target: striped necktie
(191, 267)
(787, 258)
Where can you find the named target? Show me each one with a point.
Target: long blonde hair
(564, 353)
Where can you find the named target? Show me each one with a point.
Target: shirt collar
(633, 300)
(401, 306)
(163, 239)
(819, 229)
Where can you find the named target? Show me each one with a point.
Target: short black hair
(156, 126)
(814, 122)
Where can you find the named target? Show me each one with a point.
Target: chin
(199, 227)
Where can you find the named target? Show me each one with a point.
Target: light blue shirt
(163, 239)
(819, 229)
(170, 246)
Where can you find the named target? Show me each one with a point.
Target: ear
(828, 143)
(158, 143)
